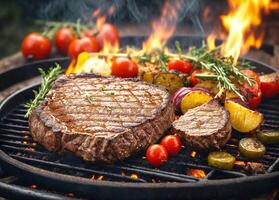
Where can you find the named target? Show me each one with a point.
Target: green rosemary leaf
(47, 81)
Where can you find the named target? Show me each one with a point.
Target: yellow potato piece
(243, 119)
(194, 99)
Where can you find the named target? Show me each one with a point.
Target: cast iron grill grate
(189, 166)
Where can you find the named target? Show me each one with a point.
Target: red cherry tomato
(172, 143)
(85, 44)
(63, 38)
(252, 92)
(108, 33)
(255, 87)
(254, 100)
(123, 67)
(156, 155)
(180, 65)
(36, 46)
(270, 84)
(193, 80)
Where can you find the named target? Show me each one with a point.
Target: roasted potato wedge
(243, 119)
(194, 98)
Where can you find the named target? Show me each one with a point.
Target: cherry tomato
(172, 143)
(255, 87)
(270, 84)
(123, 67)
(180, 65)
(193, 80)
(63, 38)
(85, 44)
(36, 46)
(108, 33)
(156, 155)
(254, 100)
(253, 93)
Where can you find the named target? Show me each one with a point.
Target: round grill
(186, 174)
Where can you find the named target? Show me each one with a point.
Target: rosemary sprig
(47, 81)
(225, 72)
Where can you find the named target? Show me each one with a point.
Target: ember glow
(164, 27)
(241, 24)
(198, 173)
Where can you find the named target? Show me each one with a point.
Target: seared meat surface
(205, 127)
(101, 118)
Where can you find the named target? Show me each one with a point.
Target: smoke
(125, 11)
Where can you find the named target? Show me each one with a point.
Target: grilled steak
(205, 127)
(101, 118)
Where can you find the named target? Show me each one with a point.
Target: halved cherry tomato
(156, 155)
(180, 65)
(270, 84)
(36, 46)
(123, 67)
(63, 38)
(254, 100)
(252, 92)
(108, 33)
(193, 80)
(85, 44)
(255, 87)
(172, 143)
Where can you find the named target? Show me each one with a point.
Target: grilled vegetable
(251, 148)
(172, 81)
(124, 67)
(210, 85)
(270, 84)
(221, 160)
(268, 137)
(148, 77)
(230, 95)
(36, 46)
(172, 143)
(156, 155)
(238, 101)
(180, 66)
(243, 119)
(177, 97)
(193, 80)
(195, 98)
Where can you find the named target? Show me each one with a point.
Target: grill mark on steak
(109, 129)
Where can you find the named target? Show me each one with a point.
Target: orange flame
(241, 22)
(211, 41)
(164, 27)
(198, 173)
(78, 65)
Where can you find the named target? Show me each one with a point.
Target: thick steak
(101, 118)
(205, 127)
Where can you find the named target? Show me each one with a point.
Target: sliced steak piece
(101, 118)
(205, 127)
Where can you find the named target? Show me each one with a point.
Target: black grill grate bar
(27, 150)
(270, 112)
(17, 143)
(158, 173)
(16, 116)
(17, 121)
(7, 137)
(78, 169)
(14, 126)
(273, 166)
(16, 132)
